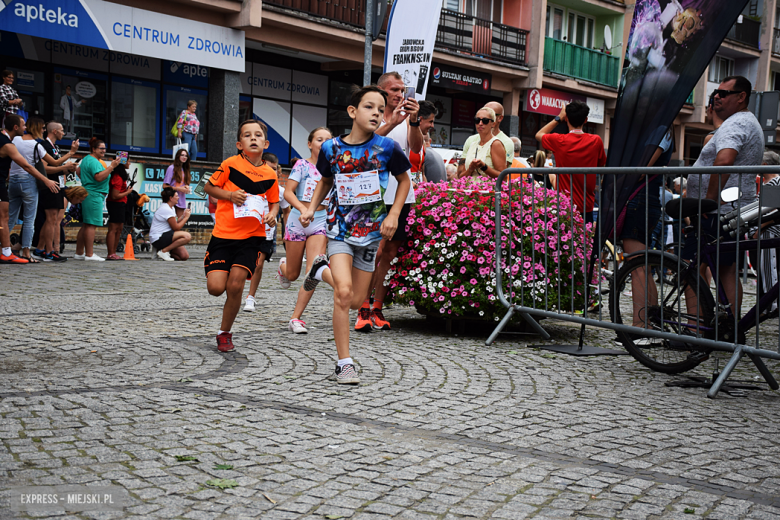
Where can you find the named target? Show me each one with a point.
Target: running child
(300, 187)
(247, 194)
(362, 161)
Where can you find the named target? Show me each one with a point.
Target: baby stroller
(138, 222)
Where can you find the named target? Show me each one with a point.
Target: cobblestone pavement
(110, 371)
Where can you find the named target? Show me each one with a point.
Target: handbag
(23, 114)
(175, 128)
(38, 164)
(180, 146)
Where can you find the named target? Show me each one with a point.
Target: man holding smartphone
(400, 123)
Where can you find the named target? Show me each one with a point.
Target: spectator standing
(487, 155)
(53, 204)
(434, 170)
(116, 204)
(23, 187)
(575, 149)
(10, 102)
(68, 106)
(738, 142)
(14, 127)
(166, 233)
(189, 128)
(95, 179)
(177, 176)
(548, 159)
(768, 262)
(509, 146)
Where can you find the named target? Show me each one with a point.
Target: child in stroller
(138, 221)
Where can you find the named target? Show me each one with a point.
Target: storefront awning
(115, 27)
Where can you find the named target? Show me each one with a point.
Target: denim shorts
(637, 226)
(363, 257)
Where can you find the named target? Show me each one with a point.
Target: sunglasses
(483, 120)
(724, 93)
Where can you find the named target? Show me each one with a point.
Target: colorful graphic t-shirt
(307, 177)
(237, 173)
(359, 224)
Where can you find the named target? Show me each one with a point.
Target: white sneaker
(250, 304)
(79, 257)
(297, 327)
(284, 282)
(165, 256)
(95, 258)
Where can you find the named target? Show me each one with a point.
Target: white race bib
(308, 189)
(353, 189)
(70, 180)
(254, 206)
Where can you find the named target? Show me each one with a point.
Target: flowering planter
(447, 268)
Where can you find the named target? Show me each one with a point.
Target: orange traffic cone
(129, 248)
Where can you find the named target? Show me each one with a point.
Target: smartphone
(122, 157)
(409, 93)
(189, 205)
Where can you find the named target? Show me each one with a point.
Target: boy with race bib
(247, 194)
(355, 169)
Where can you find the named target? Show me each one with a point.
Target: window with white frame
(570, 26)
(721, 67)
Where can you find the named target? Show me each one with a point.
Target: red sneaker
(225, 342)
(378, 320)
(363, 323)
(13, 259)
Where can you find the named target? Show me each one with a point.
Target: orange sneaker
(378, 320)
(363, 322)
(12, 259)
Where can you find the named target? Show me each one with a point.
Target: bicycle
(676, 280)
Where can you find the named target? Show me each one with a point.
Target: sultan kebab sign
(549, 102)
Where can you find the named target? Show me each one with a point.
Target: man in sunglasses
(738, 142)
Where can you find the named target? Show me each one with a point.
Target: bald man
(509, 146)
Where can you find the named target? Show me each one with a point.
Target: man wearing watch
(400, 123)
(574, 149)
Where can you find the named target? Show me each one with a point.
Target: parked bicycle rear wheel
(665, 311)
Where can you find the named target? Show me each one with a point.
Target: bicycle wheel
(666, 311)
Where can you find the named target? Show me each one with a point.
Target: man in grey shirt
(738, 142)
(434, 164)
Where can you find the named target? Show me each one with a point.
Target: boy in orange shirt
(247, 194)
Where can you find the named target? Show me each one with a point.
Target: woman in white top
(22, 187)
(488, 157)
(165, 234)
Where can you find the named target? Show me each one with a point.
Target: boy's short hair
(166, 194)
(270, 157)
(249, 122)
(359, 93)
(577, 112)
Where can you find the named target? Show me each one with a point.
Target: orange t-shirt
(237, 173)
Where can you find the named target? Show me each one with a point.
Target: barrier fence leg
(762, 368)
(535, 325)
(715, 388)
(500, 326)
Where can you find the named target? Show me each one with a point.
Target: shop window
(176, 99)
(82, 97)
(339, 121)
(135, 109)
(340, 92)
(244, 108)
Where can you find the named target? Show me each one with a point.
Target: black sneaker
(39, 254)
(57, 258)
(310, 283)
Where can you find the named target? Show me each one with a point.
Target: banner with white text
(411, 34)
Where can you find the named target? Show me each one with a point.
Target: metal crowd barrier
(673, 318)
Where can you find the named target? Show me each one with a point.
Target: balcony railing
(776, 41)
(581, 63)
(747, 32)
(463, 33)
(350, 12)
(456, 32)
